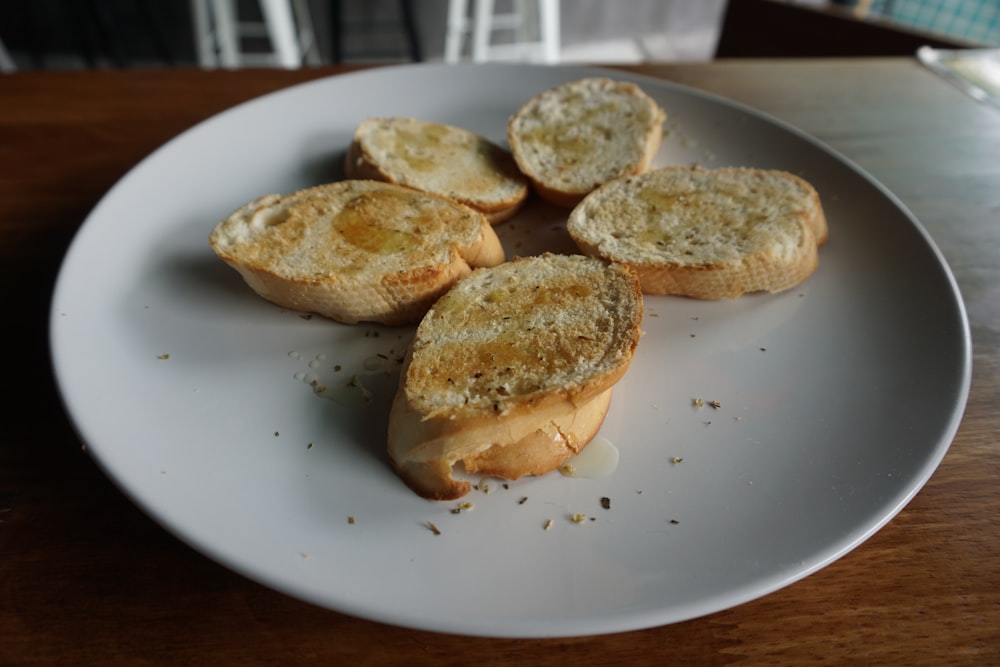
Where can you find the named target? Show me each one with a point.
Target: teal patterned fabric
(974, 20)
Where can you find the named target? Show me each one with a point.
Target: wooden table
(86, 578)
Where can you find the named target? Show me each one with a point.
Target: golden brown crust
(708, 234)
(424, 454)
(524, 335)
(355, 250)
(817, 220)
(511, 371)
(558, 197)
(546, 448)
(722, 281)
(440, 159)
(430, 479)
(572, 138)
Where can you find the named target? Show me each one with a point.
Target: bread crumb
(676, 460)
(462, 507)
(698, 402)
(522, 500)
(674, 522)
(350, 521)
(567, 470)
(164, 357)
(578, 518)
(606, 503)
(715, 404)
(434, 529)
(548, 524)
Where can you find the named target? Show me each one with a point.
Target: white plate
(838, 398)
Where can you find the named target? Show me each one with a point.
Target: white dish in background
(837, 399)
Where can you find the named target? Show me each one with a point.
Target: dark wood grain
(86, 578)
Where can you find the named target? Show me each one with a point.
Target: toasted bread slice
(573, 138)
(511, 371)
(708, 234)
(440, 159)
(356, 250)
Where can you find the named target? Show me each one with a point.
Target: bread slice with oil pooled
(708, 234)
(511, 371)
(574, 137)
(356, 251)
(441, 159)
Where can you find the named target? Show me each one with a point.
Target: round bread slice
(440, 159)
(511, 371)
(573, 138)
(707, 234)
(356, 251)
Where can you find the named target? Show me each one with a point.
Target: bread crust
(507, 447)
(511, 371)
(355, 250)
(707, 234)
(545, 449)
(440, 159)
(570, 139)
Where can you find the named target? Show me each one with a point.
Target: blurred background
(61, 34)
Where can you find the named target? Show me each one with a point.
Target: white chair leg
(218, 33)
(204, 36)
(549, 18)
(227, 32)
(535, 24)
(458, 24)
(281, 30)
(482, 28)
(306, 33)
